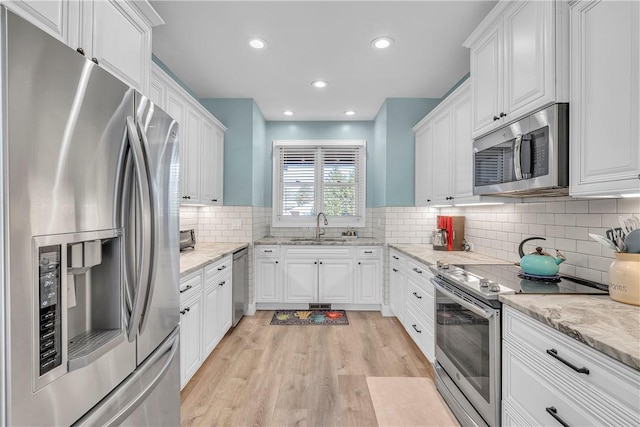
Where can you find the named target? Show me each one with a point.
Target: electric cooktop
(508, 275)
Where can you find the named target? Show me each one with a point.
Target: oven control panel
(49, 324)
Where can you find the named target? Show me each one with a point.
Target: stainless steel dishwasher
(239, 285)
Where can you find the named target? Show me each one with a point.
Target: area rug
(309, 317)
(408, 401)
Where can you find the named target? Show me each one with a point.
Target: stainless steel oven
(467, 354)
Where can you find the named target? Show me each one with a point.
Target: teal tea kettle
(538, 262)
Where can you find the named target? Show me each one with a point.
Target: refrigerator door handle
(142, 183)
(153, 237)
(125, 209)
(125, 399)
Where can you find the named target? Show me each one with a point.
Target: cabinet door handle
(222, 283)
(415, 294)
(428, 200)
(368, 252)
(496, 118)
(276, 262)
(186, 289)
(214, 200)
(222, 268)
(187, 309)
(417, 330)
(554, 353)
(395, 270)
(359, 263)
(554, 413)
(315, 262)
(395, 257)
(503, 114)
(417, 271)
(183, 312)
(320, 262)
(80, 51)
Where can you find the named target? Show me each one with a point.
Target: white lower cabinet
(551, 379)
(411, 296)
(397, 283)
(190, 326)
(206, 310)
(313, 274)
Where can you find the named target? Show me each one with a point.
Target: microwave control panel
(49, 324)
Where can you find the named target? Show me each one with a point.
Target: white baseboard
(305, 306)
(251, 309)
(386, 311)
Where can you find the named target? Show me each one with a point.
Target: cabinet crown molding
(147, 12)
(489, 21)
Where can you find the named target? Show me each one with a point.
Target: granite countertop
(324, 241)
(426, 254)
(205, 253)
(608, 326)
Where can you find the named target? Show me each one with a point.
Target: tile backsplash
(565, 223)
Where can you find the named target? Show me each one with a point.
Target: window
(310, 177)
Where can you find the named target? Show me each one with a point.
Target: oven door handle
(486, 314)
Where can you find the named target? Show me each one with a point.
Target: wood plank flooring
(263, 375)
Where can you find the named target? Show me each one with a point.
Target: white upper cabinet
(116, 33)
(201, 141)
(605, 94)
(518, 62)
(444, 154)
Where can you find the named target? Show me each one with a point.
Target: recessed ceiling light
(382, 42)
(257, 43)
(288, 113)
(350, 113)
(319, 84)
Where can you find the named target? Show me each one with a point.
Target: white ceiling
(205, 44)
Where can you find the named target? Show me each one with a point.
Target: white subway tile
(566, 219)
(629, 206)
(568, 269)
(588, 247)
(529, 218)
(521, 228)
(602, 206)
(537, 207)
(566, 244)
(537, 229)
(544, 218)
(589, 274)
(599, 263)
(589, 220)
(554, 231)
(578, 233)
(577, 259)
(556, 207)
(581, 206)
(521, 207)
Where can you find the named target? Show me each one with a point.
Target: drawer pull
(395, 270)
(186, 289)
(417, 330)
(368, 252)
(222, 268)
(268, 251)
(222, 283)
(554, 353)
(395, 257)
(417, 271)
(415, 294)
(554, 413)
(183, 311)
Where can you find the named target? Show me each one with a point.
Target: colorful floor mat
(309, 317)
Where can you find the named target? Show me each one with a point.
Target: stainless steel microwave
(529, 157)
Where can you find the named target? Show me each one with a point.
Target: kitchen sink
(312, 239)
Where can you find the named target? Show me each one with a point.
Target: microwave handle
(516, 157)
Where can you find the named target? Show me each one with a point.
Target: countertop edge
(576, 332)
(233, 247)
(286, 241)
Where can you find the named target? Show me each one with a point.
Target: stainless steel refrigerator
(90, 242)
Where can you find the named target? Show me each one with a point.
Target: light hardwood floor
(263, 375)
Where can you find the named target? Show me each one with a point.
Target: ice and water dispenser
(80, 301)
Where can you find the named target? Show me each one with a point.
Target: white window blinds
(312, 177)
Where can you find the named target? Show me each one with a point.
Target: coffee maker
(450, 233)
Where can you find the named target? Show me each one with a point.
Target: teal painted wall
(238, 116)
(379, 157)
(318, 130)
(260, 152)
(166, 69)
(402, 115)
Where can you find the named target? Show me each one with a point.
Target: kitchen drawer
(396, 257)
(219, 267)
(416, 269)
(190, 285)
(319, 252)
(369, 251)
(420, 329)
(527, 391)
(606, 376)
(423, 299)
(268, 251)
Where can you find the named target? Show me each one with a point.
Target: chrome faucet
(318, 233)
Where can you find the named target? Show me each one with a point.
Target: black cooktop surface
(507, 275)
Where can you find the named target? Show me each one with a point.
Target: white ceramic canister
(624, 278)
